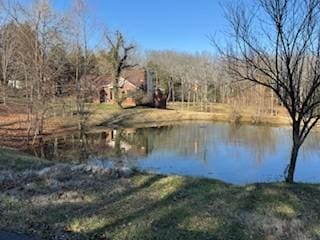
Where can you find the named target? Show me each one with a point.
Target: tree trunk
(116, 90)
(189, 99)
(292, 165)
(169, 90)
(182, 94)
(173, 92)
(4, 94)
(294, 153)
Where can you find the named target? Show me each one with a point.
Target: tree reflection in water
(260, 141)
(190, 139)
(193, 147)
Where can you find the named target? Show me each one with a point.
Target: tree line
(47, 55)
(201, 79)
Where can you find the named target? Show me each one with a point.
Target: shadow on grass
(187, 213)
(160, 207)
(119, 117)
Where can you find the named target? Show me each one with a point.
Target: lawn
(142, 116)
(79, 205)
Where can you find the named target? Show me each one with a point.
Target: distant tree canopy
(185, 77)
(63, 48)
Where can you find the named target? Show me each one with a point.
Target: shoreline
(130, 118)
(14, 129)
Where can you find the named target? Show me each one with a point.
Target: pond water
(234, 154)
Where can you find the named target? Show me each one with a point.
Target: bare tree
(7, 47)
(277, 45)
(37, 32)
(185, 76)
(119, 58)
(80, 23)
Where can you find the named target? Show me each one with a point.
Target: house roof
(135, 77)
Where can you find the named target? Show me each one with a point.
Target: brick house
(131, 82)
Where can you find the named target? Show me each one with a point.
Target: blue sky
(182, 25)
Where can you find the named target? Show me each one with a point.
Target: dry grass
(220, 112)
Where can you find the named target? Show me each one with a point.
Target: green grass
(149, 206)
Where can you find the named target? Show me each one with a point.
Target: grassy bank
(145, 206)
(175, 112)
(14, 161)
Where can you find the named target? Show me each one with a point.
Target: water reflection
(236, 154)
(260, 141)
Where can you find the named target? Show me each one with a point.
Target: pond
(234, 154)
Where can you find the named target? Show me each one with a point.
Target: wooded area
(48, 56)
